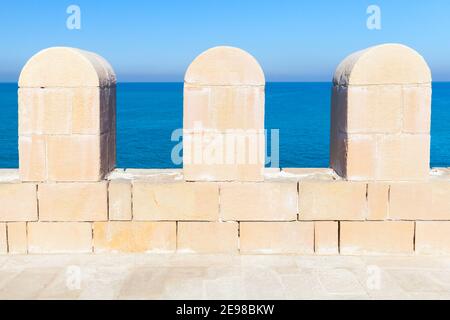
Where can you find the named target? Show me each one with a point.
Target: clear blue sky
(294, 40)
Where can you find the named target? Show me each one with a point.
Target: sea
(148, 114)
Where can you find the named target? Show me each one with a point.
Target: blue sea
(147, 113)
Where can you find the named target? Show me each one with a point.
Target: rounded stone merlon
(66, 67)
(225, 66)
(383, 64)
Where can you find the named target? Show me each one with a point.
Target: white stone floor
(184, 276)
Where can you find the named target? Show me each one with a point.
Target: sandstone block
(361, 157)
(332, 200)
(33, 158)
(417, 109)
(326, 237)
(119, 200)
(76, 158)
(433, 237)
(130, 236)
(45, 111)
(378, 201)
(420, 200)
(376, 237)
(73, 201)
(390, 63)
(403, 157)
(277, 237)
(51, 67)
(18, 202)
(175, 201)
(268, 201)
(375, 109)
(224, 66)
(208, 237)
(59, 237)
(17, 237)
(223, 108)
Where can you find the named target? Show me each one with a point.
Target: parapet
(378, 197)
(381, 114)
(223, 117)
(67, 116)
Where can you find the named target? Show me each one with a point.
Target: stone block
(376, 237)
(73, 201)
(175, 201)
(277, 237)
(131, 236)
(268, 201)
(119, 200)
(208, 237)
(17, 237)
(59, 237)
(326, 237)
(332, 200)
(18, 202)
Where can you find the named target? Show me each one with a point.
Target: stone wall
(378, 197)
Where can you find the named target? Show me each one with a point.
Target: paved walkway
(223, 277)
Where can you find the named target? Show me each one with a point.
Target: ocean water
(147, 114)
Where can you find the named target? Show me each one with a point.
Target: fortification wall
(379, 195)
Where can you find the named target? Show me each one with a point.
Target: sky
(156, 40)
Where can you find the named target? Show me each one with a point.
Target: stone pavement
(185, 276)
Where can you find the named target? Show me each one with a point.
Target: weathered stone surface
(332, 200)
(17, 237)
(383, 64)
(224, 107)
(378, 201)
(269, 201)
(417, 111)
(277, 237)
(375, 109)
(51, 67)
(376, 237)
(33, 158)
(18, 202)
(420, 200)
(361, 156)
(208, 237)
(326, 237)
(432, 237)
(73, 201)
(78, 158)
(224, 66)
(59, 237)
(305, 174)
(175, 201)
(405, 157)
(119, 200)
(130, 236)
